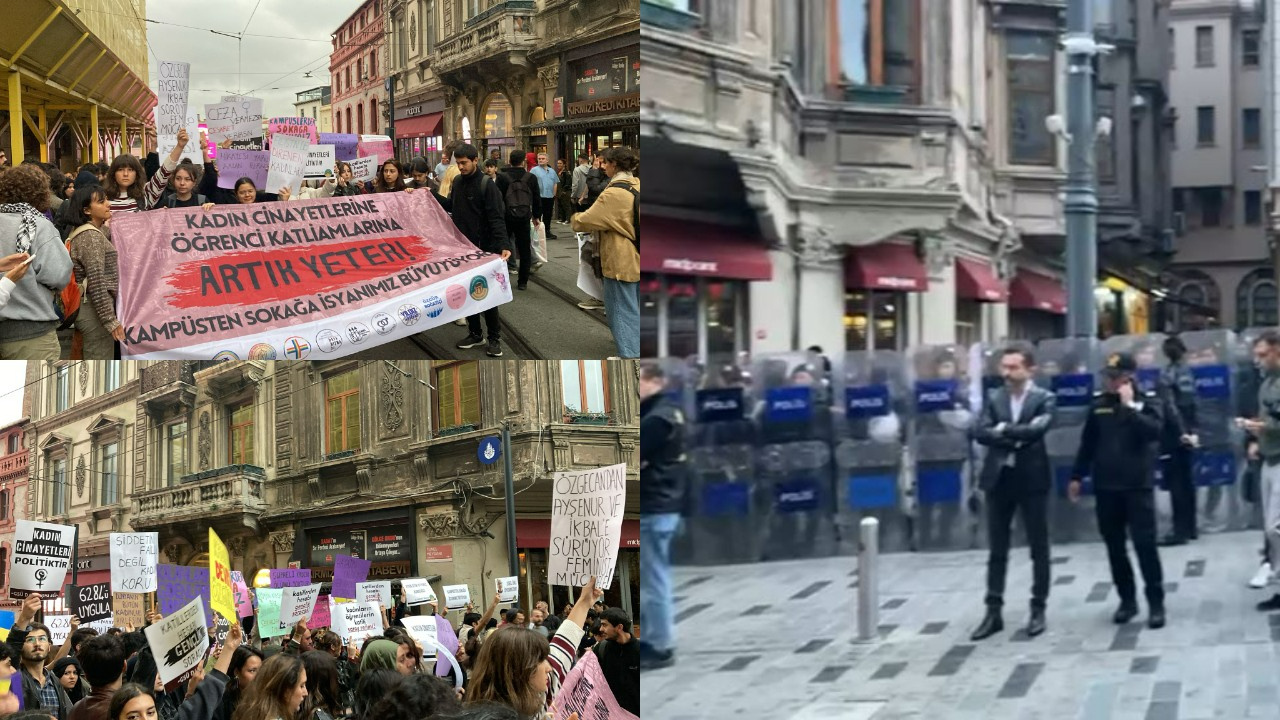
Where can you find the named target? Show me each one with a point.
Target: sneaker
(1262, 578)
(522, 286)
(538, 265)
(494, 348)
(470, 341)
(1270, 605)
(591, 305)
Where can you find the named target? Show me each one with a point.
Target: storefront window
(682, 317)
(650, 288)
(533, 579)
(968, 322)
(872, 320)
(685, 316)
(722, 317)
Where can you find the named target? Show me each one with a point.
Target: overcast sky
(13, 374)
(269, 68)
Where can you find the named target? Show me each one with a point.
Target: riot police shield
(793, 470)
(722, 525)
(1146, 352)
(1248, 382)
(1067, 367)
(872, 388)
(940, 449)
(1214, 359)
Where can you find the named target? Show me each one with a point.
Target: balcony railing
(224, 492)
(15, 463)
(501, 29)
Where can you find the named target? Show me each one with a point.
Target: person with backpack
(29, 322)
(520, 191)
(96, 271)
(615, 218)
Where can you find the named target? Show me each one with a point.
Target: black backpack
(635, 209)
(173, 200)
(519, 198)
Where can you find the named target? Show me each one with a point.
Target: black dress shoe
(991, 625)
(1155, 619)
(1172, 540)
(1036, 626)
(1125, 613)
(1270, 605)
(657, 660)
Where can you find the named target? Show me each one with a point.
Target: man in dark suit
(1016, 477)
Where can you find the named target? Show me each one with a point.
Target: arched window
(4, 504)
(360, 119)
(349, 125)
(1256, 304)
(373, 116)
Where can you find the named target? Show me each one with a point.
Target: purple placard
(179, 584)
(290, 577)
(347, 571)
(344, 145)
(235, 164)
(449, 639)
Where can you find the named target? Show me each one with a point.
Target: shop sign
(379, 571)
(608, 106)
(439, 553)
(557, 107)
(389, 545)
(326, 544)
(413, 110)
(605, 75)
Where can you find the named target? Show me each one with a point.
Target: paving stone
(739, 663)
(813, 646)
(1021, 680)
(811, 590)
(889, 671)
(1144, 665)
(934, 628)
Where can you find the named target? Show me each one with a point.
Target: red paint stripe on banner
(253, 277)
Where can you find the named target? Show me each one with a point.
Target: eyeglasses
(34, 640)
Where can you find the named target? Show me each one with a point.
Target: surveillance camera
(1055, 124)
(1104, 127)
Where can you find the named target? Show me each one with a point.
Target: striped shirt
(150, 193)
(564, 651)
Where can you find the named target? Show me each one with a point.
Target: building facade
(316, 103)
(357, 74)
(877, 175)
(294, 462)
(84, 449)
(1223, 272)
(78, 69)
(14, 462)
(414, 34)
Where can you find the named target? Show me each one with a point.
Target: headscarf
(530, 160)
(380, 655)
(77, 692)
(27, 232)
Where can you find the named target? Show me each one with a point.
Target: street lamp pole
(1081, 201)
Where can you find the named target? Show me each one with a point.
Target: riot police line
(789, 451)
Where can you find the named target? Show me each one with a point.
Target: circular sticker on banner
(262, 351)
(295, 348)
(225, 355)
(357, 332)
(384, 323)
(479, 288)
(456, 295)
(409, 314)
(328, 341)
(432, 305)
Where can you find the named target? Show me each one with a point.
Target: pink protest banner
(320, 616)
(376, 146)
(297, 126)
(586, 692)
(318, 279)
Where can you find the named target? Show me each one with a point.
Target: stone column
(771, 306)
(937, 315)
(821, 290)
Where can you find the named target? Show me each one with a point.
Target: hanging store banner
(310, 279)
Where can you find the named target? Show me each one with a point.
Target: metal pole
(868, 579)
(1081, 204)
(391, 110)
(513, 561)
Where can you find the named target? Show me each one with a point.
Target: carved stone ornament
(282, 541)
(237, 546)
(317, 490)
(173, 551)
(816, 248)
(446, 524)
(550, 75)
(938, 255)
(413, 30)
(205, 443)
(80, 474)
(364, 479)
(84, 378)
(392, 392)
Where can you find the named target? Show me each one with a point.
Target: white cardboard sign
(59, 629)
(320, 162)
(179, 641)
(586, 525)
(288, 160)
(41, 557)
(425, 631)
(508, 588)
(298, 602)
(377, 592)
(234, 119)
(134, 557)
(363, 169)
(417, 591)
(360, 621)
(456, 596)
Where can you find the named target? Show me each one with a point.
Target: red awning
(1033, 291)
(976, 281)
(421, 126)
(680, 247)
(887, 266)
(537, 533)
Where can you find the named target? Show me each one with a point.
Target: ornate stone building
(14, 462)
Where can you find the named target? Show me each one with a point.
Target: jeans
(622, 303)
(490, 320)
(657, 609)
(518, 229)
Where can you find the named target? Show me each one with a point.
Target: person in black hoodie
(522, 197)
(64, 220)
(662, 487)
(477, 209)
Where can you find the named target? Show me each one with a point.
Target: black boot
(1270, 605)
(1172, 540)
(1155, 619)
(1126, 612)
(991, 625)
(1036, 625)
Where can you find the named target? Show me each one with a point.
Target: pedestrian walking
(1117, 446)
(1016, 479)
(520, 194)
(1266, 428)
(615, 220)
(1178, 440)
(662, 488)
(549, 185)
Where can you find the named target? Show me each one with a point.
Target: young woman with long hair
(347, 186)
(277, 692)
(389, 179)
(324, 701)
(135, 702)
(245, 664)
(417, 697)
(127, 187)
(94, 262)
(374, 684)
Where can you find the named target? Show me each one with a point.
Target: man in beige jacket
(613, 219)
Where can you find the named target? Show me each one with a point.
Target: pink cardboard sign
(378, 146)
(297, 126)
(317, 279)
(320, 616)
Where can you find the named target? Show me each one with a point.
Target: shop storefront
(1037, 306)
(533, 537)
(598, 102)
(418, 130)
(877, 279)
(976, 286)
(1123, 309)
(384, 538)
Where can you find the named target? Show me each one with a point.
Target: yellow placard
(221, 598)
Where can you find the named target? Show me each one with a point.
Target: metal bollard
(868, 580)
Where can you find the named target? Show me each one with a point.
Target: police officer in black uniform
(1178, 441)
(1117, 447)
